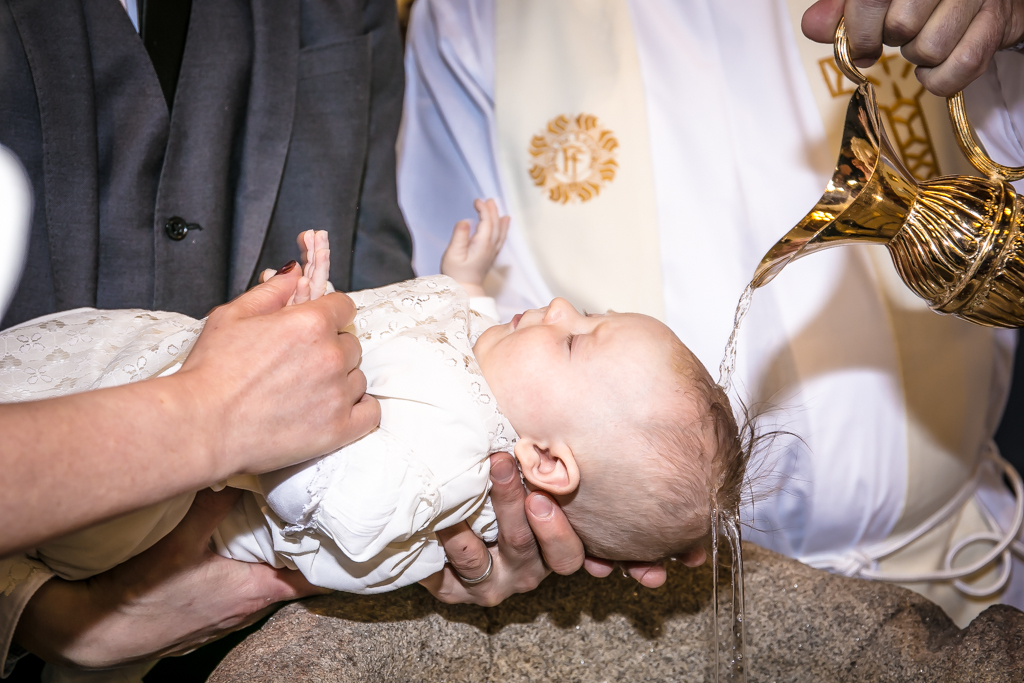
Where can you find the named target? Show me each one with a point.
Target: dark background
(1010, 435)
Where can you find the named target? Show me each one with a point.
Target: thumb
(268, 297)
(460, 235)
(821, 19)
(282, 584)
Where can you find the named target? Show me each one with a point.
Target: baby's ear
(551, 467)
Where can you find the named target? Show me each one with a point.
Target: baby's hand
(467, 259)
(316, 267)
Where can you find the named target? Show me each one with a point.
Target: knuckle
(350, 345)
(928, 53)
(343, 302)
(522, 541)
(530, 581)
(446, 595)
(490, 599)
(973, 59)
(331, 360)
(899, 29)
(216, 315)
(357, 382)
(308, 321)
(567, 566)
(469, 564)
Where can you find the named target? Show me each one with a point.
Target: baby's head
(620, 422)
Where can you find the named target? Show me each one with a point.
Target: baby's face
(560, 375)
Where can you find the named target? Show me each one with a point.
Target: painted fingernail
(541, 506)
(503, 471)
(287, 268)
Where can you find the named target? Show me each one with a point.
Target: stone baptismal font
(803, 625)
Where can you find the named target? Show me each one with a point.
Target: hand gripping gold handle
(969, 144)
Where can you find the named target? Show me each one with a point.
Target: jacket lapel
(57, 48)
(268, 130)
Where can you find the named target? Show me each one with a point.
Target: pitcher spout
(956, 241)
(866, 201)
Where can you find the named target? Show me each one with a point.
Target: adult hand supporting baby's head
(528, 548)
(534, 539)
(274, 384)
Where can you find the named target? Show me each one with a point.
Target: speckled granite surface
(803, 625)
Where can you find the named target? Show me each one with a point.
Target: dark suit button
(177, 228)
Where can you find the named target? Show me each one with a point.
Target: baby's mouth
(515, 320)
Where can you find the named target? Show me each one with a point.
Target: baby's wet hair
(680, 462)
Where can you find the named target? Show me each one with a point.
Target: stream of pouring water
(728, 364)
(729, 662)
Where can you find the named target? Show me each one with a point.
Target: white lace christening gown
(361, 519)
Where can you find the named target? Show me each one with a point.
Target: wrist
(473, 290)
(202, 446)
(51, 625)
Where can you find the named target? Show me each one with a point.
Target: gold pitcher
(955, 240)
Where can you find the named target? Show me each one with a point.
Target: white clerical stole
(574, 151)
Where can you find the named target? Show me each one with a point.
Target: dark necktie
(163, 25)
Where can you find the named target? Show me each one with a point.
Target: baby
(609, 413)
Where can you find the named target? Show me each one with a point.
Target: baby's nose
(558, 308)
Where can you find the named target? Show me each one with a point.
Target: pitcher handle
(970, 146)
(965, 138)
(841, 51)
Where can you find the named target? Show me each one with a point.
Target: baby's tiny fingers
(484, 231)
(502, 232)
(310, 259)
(321, 273)
(322, 240)
(492, 211)
(460, 235)
(301, 291)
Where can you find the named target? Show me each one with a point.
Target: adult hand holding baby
(172, 598)
(534, 539)
(951, 41)
(265, 386)
(278, 385)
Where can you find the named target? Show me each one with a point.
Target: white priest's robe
(894, 406)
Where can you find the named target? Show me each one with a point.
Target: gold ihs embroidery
(573, 158)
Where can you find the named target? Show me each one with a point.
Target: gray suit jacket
(312, 146)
